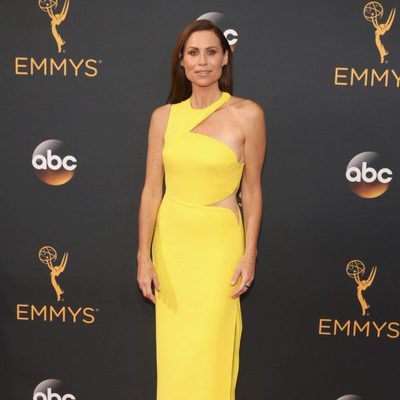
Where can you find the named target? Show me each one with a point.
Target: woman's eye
(194, 52)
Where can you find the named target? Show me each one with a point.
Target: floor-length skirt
(196, 250)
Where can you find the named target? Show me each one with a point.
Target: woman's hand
(245, 269)
(147, 274)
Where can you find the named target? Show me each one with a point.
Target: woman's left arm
(251, 192)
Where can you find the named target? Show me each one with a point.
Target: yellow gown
(195, 250)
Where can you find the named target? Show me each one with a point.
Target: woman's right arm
(150, 200)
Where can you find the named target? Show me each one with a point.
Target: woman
(202, 256)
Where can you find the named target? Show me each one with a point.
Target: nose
(203, 58)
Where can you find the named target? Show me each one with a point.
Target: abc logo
(223, 24)
(52, 396)
(366, 176)
(51, 164)
(50, 389)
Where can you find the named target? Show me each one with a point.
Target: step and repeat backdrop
(79, 81)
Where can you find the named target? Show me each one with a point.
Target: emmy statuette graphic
(354, 270)
(49, 7)
(372, 12)
(47, 255)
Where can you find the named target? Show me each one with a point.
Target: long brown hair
(181, 87)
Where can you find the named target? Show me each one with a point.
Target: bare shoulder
(249, 113)
(159, 118)
(160, 114)
(247, 108)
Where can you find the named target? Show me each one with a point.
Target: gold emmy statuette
(354, 270)
(47, 255)
(49, 6)
(372, 12)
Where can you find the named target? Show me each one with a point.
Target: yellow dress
(195, 250)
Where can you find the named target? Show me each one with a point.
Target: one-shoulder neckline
(224, 95)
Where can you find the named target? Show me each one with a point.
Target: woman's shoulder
(161, 110)
(247, 108)
(160, 114)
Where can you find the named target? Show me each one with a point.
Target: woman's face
(203, 58)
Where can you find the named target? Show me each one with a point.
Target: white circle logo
(51, 163)
(218, 19)
(367, 176)
(52, 389)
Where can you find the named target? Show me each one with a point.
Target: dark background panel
(312, 226)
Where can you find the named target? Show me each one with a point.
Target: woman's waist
(200, 201)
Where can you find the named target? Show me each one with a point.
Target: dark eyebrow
(192, 47)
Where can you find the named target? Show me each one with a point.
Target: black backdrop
(300, 337)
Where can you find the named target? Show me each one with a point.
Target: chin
(203, 82)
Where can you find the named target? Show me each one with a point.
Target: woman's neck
(204, 96)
